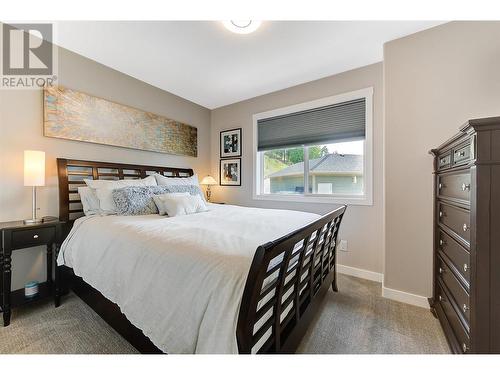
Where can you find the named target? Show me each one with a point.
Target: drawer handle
(465, 348)
(442, 243)
(440, 213)
(441, 298)
(35, 236)
(441, 270)
(465, 227)
(465, 187)
(466, 267)
(465, 308)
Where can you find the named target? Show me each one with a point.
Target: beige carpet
(355, 320)
(359, 320)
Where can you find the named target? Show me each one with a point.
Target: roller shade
(327, 124)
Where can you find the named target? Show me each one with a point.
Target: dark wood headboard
(71, 174)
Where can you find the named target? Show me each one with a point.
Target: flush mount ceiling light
(242, 27)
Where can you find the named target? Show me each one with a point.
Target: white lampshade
(208, 180)
(34, 168)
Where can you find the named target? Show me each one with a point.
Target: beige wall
(21, 128)
(434, 81)
(362, 225)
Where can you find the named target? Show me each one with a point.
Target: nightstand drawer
(32, 237)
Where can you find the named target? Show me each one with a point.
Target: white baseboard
(398, 295)
(358, 272)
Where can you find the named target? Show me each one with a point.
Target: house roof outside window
(331, 164)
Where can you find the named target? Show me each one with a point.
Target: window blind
(327, 124)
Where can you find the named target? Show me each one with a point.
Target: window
(318, 151)
(284, 171)
(335, 168)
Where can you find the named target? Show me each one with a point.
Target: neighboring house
(332, 173)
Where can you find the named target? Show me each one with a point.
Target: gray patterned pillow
(138, 200)
(191, 189)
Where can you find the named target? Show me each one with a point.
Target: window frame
(365, 199)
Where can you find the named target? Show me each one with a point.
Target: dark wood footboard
(285, 284)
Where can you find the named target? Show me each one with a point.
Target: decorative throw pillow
(177, 205)
(134, 200)
(104, 189)
(191, 189)
(138, 200)
(178, 181)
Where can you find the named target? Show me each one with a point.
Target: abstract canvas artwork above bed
(74, 115)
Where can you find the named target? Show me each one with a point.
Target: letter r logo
(27, 49)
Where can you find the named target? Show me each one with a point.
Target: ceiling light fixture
(241, 27)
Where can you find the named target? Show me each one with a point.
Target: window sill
(362, 200)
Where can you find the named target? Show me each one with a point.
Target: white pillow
(162, 180)
(177, 205)
(158, 202)
(89, 199)
(104, 190)
(95, 184)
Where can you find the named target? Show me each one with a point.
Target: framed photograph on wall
(230, 172)
(230, 143)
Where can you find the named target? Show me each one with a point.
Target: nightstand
(16, 235)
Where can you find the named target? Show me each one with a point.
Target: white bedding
(178, 279)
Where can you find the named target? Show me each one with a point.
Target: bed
(229, 280)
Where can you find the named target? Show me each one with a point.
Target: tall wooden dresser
(467, 237)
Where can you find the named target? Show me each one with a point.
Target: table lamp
(34, 175)
(209, 181)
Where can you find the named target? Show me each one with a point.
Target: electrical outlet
(343, 245)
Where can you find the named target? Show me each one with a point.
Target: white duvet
(180, 279)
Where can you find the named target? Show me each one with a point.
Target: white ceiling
(203, 62)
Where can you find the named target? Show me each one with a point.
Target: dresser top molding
(471, 126)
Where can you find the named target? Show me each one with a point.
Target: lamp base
(209, 193)
(33, 221)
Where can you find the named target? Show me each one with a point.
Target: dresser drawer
(456, 253)
(454, 185)
(458, 292)
(444, 161)
(32, 237)
(459, 330)
(455, 218)
(462, 154)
